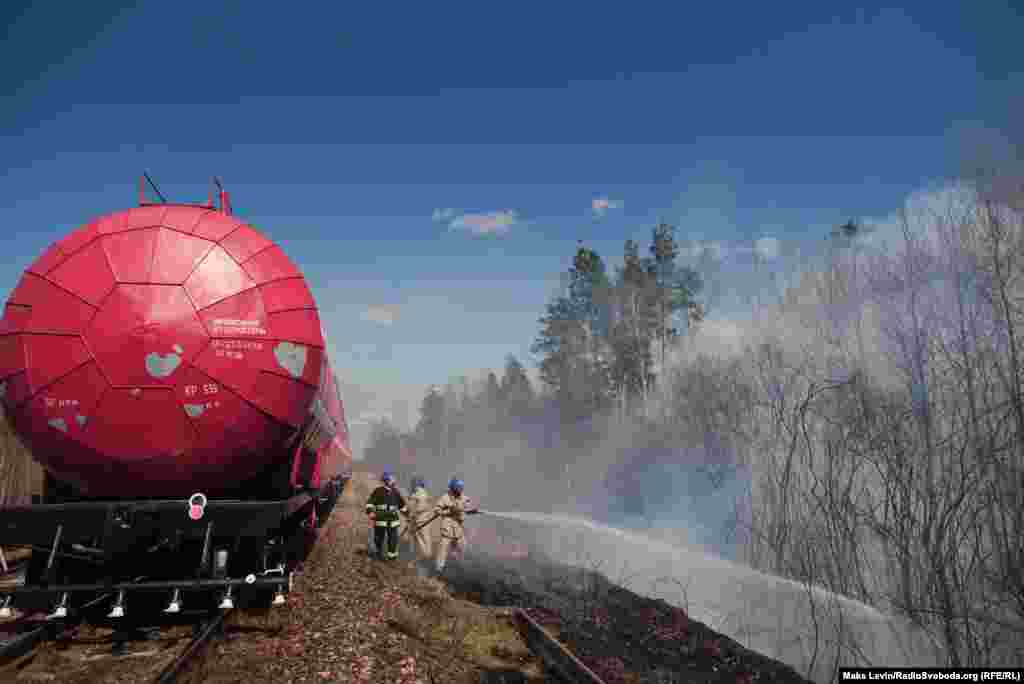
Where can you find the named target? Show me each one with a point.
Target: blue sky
(345, 132)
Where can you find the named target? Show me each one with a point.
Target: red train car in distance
(169, 349)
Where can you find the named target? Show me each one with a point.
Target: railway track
(206, 632)
(17, 639)
(558, 659)
(19, 636)
(65, 650)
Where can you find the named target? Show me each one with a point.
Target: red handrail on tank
(225, 205)
(222, 195)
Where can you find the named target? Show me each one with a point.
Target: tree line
(601, 342)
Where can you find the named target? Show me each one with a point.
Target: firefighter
(452, 508)
(420, 513)
(383, 508)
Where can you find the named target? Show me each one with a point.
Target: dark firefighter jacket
(385, 503)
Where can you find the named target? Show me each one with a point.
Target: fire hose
(432, 518)
(426, 522)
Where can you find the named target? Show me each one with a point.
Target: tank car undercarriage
(160, 555)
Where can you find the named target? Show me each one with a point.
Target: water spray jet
(804, 626)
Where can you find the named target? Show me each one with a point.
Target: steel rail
(206, 634)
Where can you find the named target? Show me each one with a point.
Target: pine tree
(573, 339)
(632, 331)
(674, 288)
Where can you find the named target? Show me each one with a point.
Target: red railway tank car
(162, 352)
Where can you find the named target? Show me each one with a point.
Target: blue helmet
(418, 482)
(456, 485)
(387, 477)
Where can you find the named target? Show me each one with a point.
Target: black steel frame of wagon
(37, 525)
(45, 527)
(53, 524)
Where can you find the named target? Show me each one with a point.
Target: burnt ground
(622, 636)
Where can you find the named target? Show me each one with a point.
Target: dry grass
(353, 619)
(455, 634)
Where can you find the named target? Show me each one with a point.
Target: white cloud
(479, 224)
(491, 223)
(444, 215)
(601, 205)
(694, 250)
(380, 314)
(767, 247)
(714, 250)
